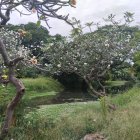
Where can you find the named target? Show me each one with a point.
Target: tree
(136, 65)
(34, 34)
(44, 9)
(91, 55)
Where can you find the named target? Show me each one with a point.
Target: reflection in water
(68, 96)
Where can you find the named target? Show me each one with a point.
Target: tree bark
(93, 93)
(20, 89)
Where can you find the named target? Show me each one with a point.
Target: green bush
(24, 72)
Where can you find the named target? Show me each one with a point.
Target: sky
(85, 11)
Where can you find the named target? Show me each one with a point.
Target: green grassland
(71, 121)
(42, 89)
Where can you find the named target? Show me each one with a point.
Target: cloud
(87, 10)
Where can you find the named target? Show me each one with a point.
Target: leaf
(5, 77)
(42, 17)
(38, 23)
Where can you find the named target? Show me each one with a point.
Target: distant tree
(35, 34)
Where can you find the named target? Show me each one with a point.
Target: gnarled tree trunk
(93, 92)
(97, 94)
(20, 89)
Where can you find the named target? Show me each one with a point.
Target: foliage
(32, 39)
(92, 55)
(12, 42)
(70, 81)
(43, 9)
(27, 72)
(136, 66)
(33, 36)
(14, 47)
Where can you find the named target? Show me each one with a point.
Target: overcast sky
(86, 10)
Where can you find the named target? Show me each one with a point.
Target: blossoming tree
(44, 9)
(91, 55)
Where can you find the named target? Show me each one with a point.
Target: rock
(95, 136)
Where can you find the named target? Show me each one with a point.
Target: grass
(42, 84)
(125, 124)
(39, 88)
(71, 121)
(38, 91)
(67, 109)
(34, 95)
(130, 96)
(68, 121)
(116, 83)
